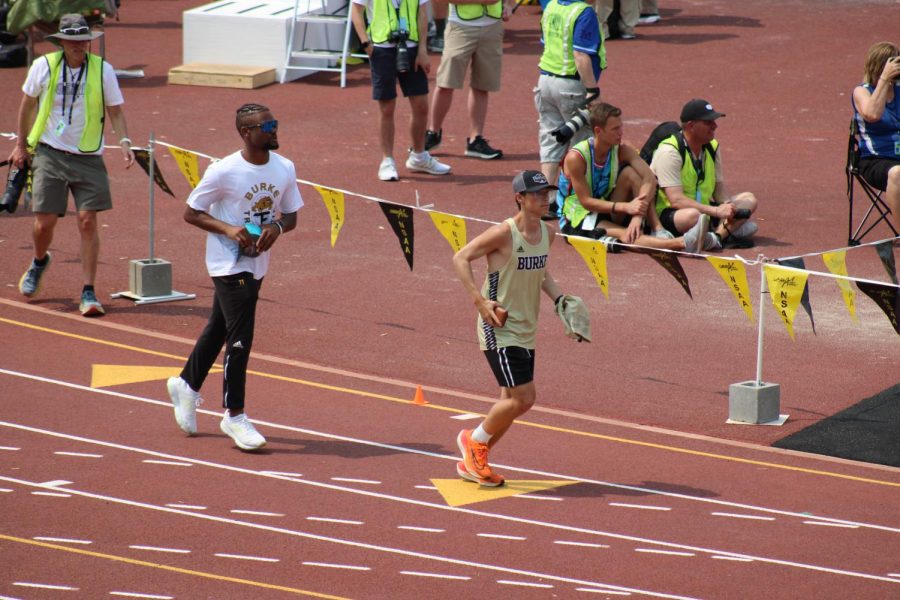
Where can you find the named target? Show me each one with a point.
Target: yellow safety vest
(385, 20)
(690, 177)
(470, 12)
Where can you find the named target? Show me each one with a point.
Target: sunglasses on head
(266, 126)
(80, 30)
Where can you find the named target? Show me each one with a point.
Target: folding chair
(874, 195)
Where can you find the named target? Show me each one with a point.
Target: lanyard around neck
(76, 83)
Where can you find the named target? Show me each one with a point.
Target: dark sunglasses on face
(81, 30)
(266, 126)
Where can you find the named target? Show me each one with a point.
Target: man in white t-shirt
(246, 202)
(61, 120)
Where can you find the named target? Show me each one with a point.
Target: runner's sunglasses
(265, 126)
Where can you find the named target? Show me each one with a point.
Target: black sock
(439, 25)
(43, 261)
(87, 288)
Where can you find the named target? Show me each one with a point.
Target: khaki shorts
(56, 172)
(482, 46)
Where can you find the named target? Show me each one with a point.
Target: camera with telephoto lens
(564, 132)
(15, 183)
(399, 38)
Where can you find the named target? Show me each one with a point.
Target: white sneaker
(428, 164)
(387, 170)
(242, 431)
(185, 400)
(748, 229)
(711, 241)
(663, 234)
(695, 237)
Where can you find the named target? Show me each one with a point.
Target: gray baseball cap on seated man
(531, 181)
(75, 28)
(699, 110)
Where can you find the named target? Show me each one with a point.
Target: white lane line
(79, 454)
(668, 552)
(330, 520)
(61, 540)
(51, 494)
(139, 595)
(524, 584)
(170, 463)
(738, 516)
(55, 483)
(10, 448)
(497, 536)
(423, 529)
(827, 524)
(442, 506)
(245, 557)
(600, 591)
(466, 417)
(281, 474)
(893, 574)
(435, 575)
(336, 566)
(425, 487)
(45, 586)
(5, 491)
(187, 506)
(393, 448)
(582, 544)
(257, 513)
(385, 549)
(737, 558)
(533, 497)
(349, 480)
(159, 549)
(9, 598)
(641, 506)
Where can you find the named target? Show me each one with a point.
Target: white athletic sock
(419, 155)
(481, 436)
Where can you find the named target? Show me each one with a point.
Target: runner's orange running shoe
(474, 454)
(493, 481)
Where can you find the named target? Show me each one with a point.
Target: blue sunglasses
(266, 126)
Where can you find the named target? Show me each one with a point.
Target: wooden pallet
(230, 76)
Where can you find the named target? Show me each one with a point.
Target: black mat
(868, 431)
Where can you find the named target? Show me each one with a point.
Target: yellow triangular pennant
(187, 162)
(734, 274)
(594, 254)
(452, 228)
(837, 264)
(458, 492)
(110, 375)
(786, 289)
(334, 202)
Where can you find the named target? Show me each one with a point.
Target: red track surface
(345, 334)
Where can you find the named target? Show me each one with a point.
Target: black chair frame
(874, 195)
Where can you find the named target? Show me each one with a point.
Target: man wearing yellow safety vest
(61, 121)
(606, 188)
(395, 56)
(570, 68)
(688, 166)
(474, 35)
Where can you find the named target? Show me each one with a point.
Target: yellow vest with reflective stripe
(92, 134)
(385, 20)
(470, 12)
(572, 207)
(689, 176)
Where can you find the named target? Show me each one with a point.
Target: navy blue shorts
(383, 63)
(512, 365)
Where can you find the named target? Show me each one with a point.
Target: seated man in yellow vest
(606, 188)
(65, 95)
(688, 167)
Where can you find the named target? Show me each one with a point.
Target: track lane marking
(619, 486)
(433, 406)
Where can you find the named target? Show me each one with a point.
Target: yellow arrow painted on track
(458, 492)
(110, 375)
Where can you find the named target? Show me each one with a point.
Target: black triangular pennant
(401, 220)
(886, 297)
(142, 157)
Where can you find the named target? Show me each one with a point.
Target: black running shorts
(512, 365)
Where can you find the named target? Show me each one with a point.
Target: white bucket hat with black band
(75, 28)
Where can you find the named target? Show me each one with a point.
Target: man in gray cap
(60, 132)
(688, 166)
(508, 304)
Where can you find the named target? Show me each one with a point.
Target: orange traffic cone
(419, 397)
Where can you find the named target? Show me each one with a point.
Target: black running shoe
(432, 139)
(479, 148)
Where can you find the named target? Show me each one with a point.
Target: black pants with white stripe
(231, 325)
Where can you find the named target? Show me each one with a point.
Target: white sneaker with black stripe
(242, 431)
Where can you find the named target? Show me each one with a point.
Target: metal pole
(759, 344)
(150, 152)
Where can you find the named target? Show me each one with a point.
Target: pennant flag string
(861, 245)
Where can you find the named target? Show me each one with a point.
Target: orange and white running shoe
(474, 454)
(493, 481)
